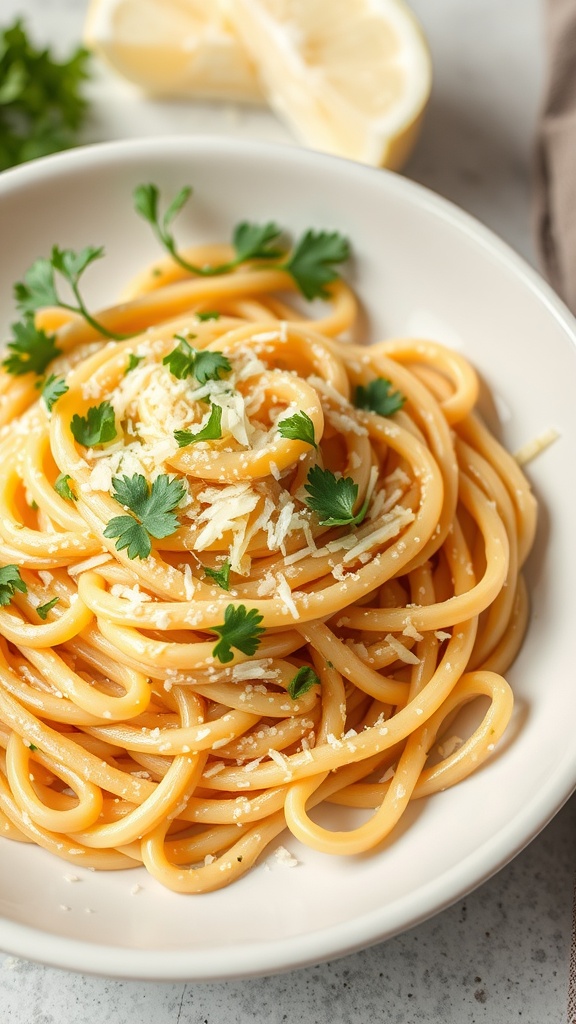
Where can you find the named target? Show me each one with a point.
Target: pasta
(130, 733)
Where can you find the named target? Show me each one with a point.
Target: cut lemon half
(173, 48)
(350, 77)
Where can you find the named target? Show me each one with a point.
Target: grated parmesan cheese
(402, 652)
(395, 521)
(284, 592)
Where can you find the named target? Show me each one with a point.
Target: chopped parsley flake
(303, 681)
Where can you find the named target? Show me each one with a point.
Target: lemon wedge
(350, 77)
(173, 48)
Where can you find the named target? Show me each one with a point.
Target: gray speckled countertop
(502, 954)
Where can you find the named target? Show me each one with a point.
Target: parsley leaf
(333, 498)
(181, 359)
(41, 104)
(220, 576)
(303, 681)
(62, 487)
(256, 241)
(298, 427)
(152, 508)
(211, 431)
(97, 427)
(54, 388)
(43, 609)
(133, 362)
(10, 582)
(209, 315)
(311, 263)
(241, 629)
(39, 289)
(210, 365)
(379, 396)
(30, 350)
(185, 361)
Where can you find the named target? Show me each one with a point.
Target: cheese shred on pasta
(125, 740)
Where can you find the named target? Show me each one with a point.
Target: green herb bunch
(41, 104)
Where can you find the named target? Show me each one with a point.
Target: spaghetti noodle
(127, 736)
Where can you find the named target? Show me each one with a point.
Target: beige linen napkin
(555, 182)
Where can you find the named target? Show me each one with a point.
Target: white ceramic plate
(421, 267)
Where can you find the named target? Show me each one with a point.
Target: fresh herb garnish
(43, 609)
(30, 350)
(303, 681)
(379, 396)
(250, 241)
(32, 747)
(97, 427)
(298, 427)
(39, 289)
(54, 388)
(133, 362)
(10, 582)
(186, 361)
(220, 576)
(210, 365)
(313, 260)
(209, 315)
(241, 629)
(146, 199)
(255, 242)
(152, 508)
(211, 431)
(333, 498)
(62, 487)
(41, 105)
(311, 263)
(180, 361)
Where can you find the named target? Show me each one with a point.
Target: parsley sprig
(298, 427)
(240, 629)
(333, 498)
(303, 681)
(10, 582)
(30, 350)
(311, 264)
(211, 431)
(379, 396)
(152, 508)
(250, 241)
(204, 364)
(39, 287)
(98, 426)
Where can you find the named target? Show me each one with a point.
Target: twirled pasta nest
(127, 738)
